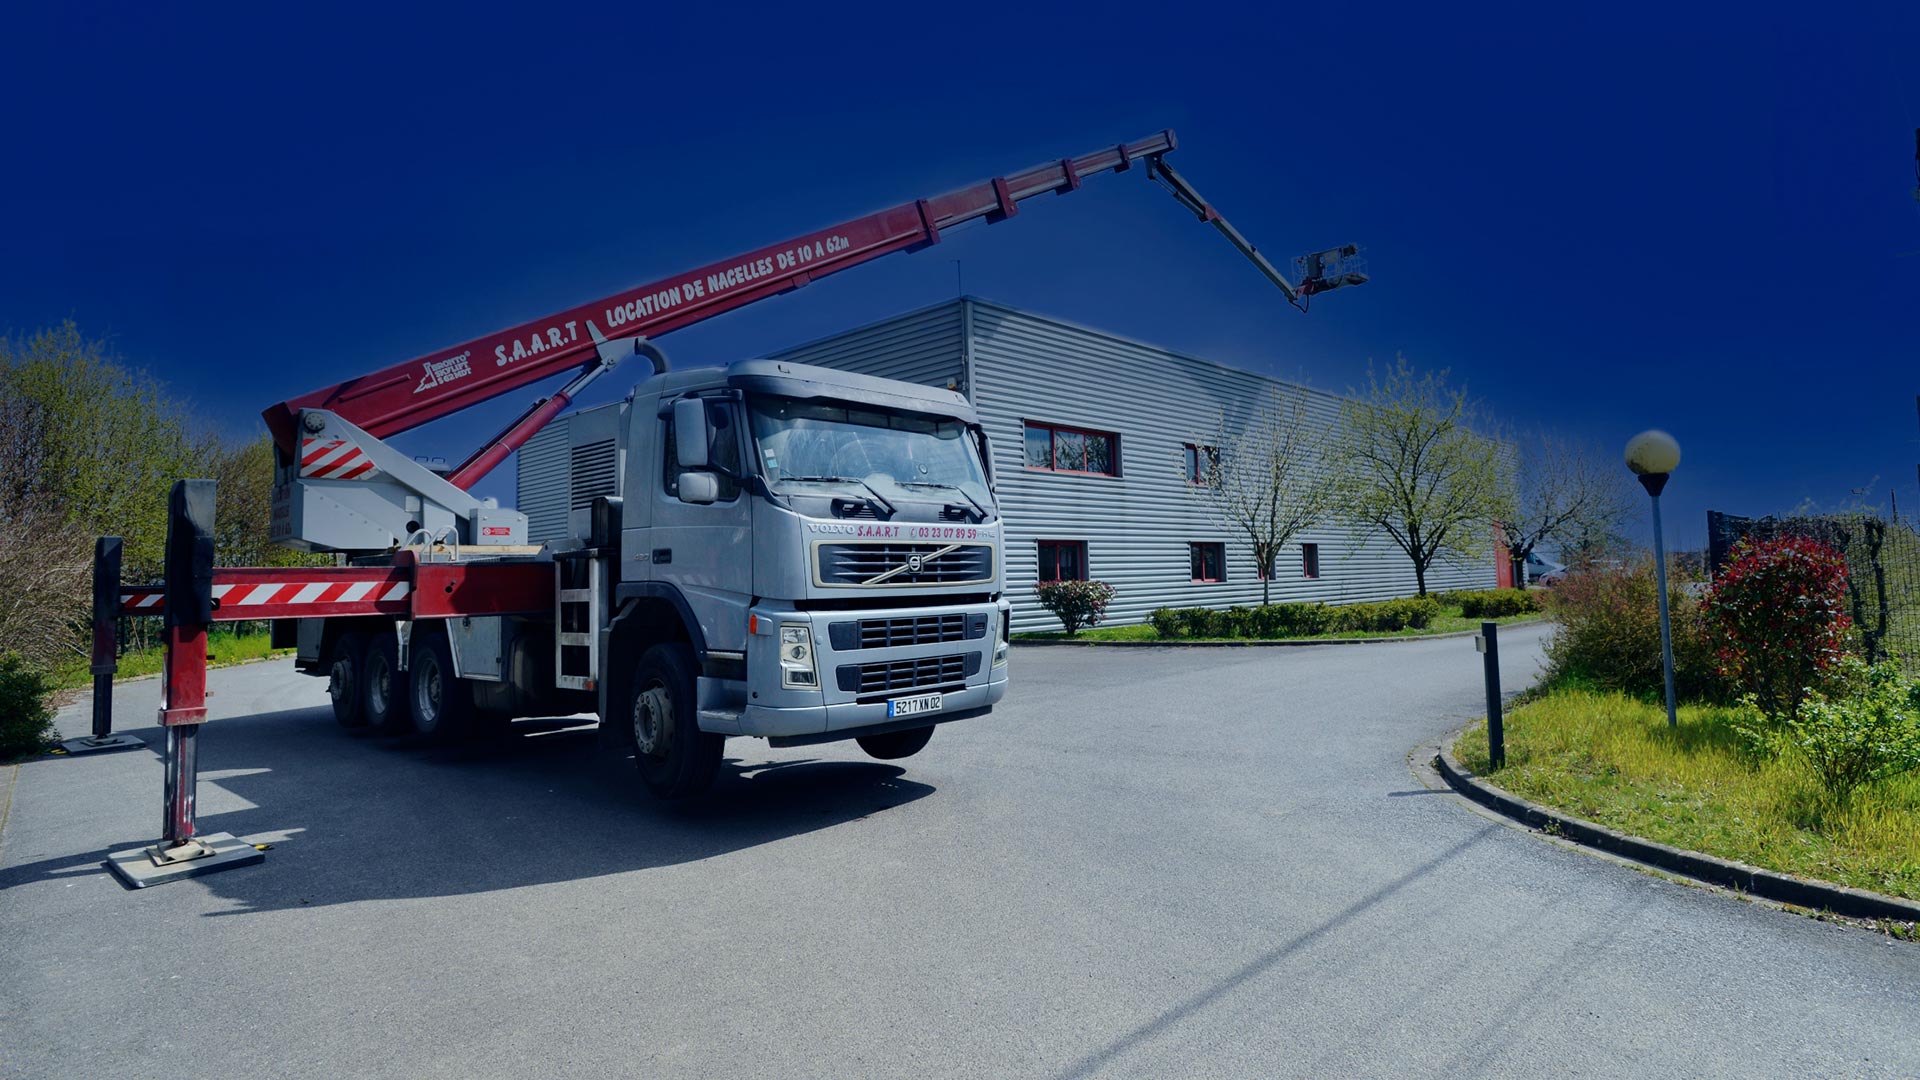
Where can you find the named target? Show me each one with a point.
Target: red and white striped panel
(334, 458)
(260, 593)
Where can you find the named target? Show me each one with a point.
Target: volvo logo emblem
(915, 563)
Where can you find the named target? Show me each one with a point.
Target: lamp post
(1653, 455)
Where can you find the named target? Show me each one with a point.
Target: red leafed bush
(1778, 615)
(1075, 603)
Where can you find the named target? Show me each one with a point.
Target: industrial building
(1095, 439)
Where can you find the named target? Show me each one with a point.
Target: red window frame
(1048, 568)
(1193, 451)
(1197, 552)
(1053, 453)
(1309, 560)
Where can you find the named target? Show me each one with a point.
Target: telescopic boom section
(407, 395)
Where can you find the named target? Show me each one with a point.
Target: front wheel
(675, 758)
(892, 745)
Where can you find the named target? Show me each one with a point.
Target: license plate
(914, 706)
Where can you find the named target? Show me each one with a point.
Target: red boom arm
(432, 386)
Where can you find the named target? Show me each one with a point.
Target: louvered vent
(594, 473)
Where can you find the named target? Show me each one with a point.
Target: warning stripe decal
(286, 599)
(333, 459)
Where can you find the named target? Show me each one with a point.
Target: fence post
(1489, 643)
(106, 614)
(182, 851)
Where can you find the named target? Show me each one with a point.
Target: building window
(1209, 561)
(1063, 560)
(1062, 449)
(1310, 560)
(1201, 463)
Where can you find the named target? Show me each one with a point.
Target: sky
(1695, 217)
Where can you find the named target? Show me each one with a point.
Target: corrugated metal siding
(922, 346)
(1137, 526)
(542, 482)
(595, 473)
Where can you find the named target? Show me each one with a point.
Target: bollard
(106, 653)
(182, 851)
(1489, 643)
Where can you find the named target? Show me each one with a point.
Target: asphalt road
(1151, 863)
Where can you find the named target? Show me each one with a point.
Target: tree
(91, 442)
(1267, 480)
(1566, 495)
(1412, 466)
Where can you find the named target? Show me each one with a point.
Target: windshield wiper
(879, 501)
(977, 508)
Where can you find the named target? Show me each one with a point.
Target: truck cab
(804, 555)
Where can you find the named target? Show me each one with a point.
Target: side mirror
(691, 434)
(699, 488)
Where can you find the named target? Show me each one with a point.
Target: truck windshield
(803, 440)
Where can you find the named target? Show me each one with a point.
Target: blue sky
(1679, 216)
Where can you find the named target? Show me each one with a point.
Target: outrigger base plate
(92, 745)
(137, 868)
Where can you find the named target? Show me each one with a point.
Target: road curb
(1771, 884)
(1249, 643)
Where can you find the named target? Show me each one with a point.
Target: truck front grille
(882, 565)
(907, 630)
(896, 675)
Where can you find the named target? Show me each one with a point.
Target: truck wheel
(345, 673)
(896, 744)
(383, 688)
(442, 702)
(676, 759)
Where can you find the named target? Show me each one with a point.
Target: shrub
(1387, 616)
(1199, 622)
(1777, 612)
(1237, 622)
(1075, 603)
(1291, 620)
(26, 722)
(1165, 622)
(1497, 603)
(1608, 635)
(1868, 729)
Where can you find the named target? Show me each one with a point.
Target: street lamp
(1653, 455)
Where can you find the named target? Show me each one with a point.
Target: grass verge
(1612, 760)
(223, 649)
(1449, 622)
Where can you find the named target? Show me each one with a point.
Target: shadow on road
(366, 818)
(1099, 1059)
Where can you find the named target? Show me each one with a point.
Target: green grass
(1449, 622)
(1612, 759)
(222, 649)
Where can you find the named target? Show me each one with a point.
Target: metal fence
(1883, 571)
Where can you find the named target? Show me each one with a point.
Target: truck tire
(345, 672)
(442, 702)
(675, 758)
(383, 689)
(892, 745)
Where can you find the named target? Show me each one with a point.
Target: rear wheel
(345, 673)
(383, 688)
(896, 744)
(675, 758)
(442, 703)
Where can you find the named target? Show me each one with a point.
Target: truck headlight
(1001, 640)
(796, 657)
